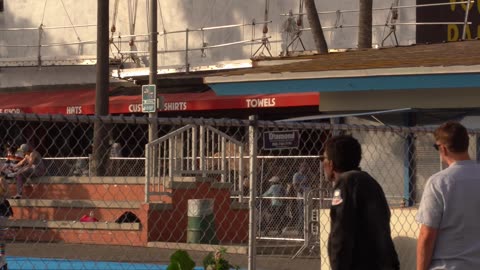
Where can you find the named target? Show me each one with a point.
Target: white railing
(391, 21)
(119, 51)
(193, 151)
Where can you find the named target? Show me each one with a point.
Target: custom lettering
(74, 109)
(260, 102)
(135, 107)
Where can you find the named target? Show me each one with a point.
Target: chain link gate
(72, 216)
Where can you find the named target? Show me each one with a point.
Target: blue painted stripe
(26, 263)
(410, 82)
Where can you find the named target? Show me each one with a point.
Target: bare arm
(21, 163)
(425, 245)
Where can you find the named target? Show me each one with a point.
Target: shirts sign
(286, 139)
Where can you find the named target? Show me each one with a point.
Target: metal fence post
(477, 147)
(241, 174)
(147, 172)
(252, 228)
(223, 161)
(202, 148)
(40, 35)
(194, 147)
(409, 163)
(171, 159)
(187, 65)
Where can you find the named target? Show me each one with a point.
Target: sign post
(149, 98)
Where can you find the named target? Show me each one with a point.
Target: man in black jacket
(360, 216)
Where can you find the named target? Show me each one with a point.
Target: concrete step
(106, 211)
(82, 188)
(71, 231)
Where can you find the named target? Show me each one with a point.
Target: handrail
(253, 41)
(214, 130)
(383, 25)
(381, 9)
(114, 40)
(46, 27)
(171, 134)
(180, 150)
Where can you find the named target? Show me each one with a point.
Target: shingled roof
(462, 53)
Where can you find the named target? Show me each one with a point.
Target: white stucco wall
(173, 16)
(31, 76)
(404, 234)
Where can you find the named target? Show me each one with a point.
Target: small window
(1, 5)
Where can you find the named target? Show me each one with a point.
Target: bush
(180, 260)
(217, 262)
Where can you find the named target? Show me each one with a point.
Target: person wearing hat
(12, 158)
(277, 206)
(30, 166)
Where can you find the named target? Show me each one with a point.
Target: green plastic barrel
(201, 222)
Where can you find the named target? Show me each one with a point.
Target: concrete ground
(149, 255)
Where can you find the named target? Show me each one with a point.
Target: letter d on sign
(453, 32)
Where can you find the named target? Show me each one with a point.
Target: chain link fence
(190, 189)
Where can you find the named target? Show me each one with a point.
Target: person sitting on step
(12, 157)
(31, 166)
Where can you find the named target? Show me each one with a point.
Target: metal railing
(391, 21)
(117, 41)
(192, 151)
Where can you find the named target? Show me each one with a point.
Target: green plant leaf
(208, 260)
(181, 260)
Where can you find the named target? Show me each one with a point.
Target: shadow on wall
(406, 249)
(13, 19)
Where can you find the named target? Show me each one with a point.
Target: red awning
(82, 101)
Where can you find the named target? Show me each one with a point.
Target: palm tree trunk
(314, 21)
(365, 24)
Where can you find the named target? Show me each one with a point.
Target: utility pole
(100, 138)
(316, 26)
(365, 24)
(152, 79)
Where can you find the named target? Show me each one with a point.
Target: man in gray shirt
(449, 212)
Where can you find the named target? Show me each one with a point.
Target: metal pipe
(464, 33)
(147, 172)
(377, 9)
(241, 173)
(227, 26)
(187, 65)
(152, 79)
(202, 148)
(137, 35)
(252, 228)
(46, 27)
(40, 34)
(253, 41)
(100, 140)
(194, 147)
(170, 160)
(223, 165)
(384, 25)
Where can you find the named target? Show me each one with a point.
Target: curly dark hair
(345, 152)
